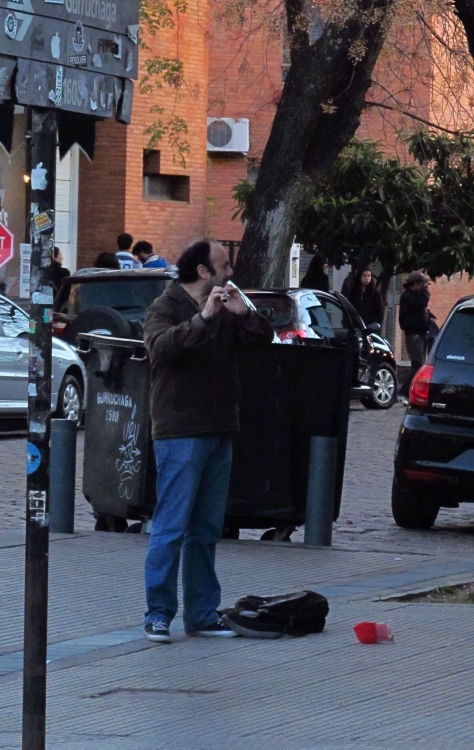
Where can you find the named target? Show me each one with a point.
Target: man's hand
(213, 304)
(233, 301)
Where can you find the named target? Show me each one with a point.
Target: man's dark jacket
(194, 380)
(413, 313)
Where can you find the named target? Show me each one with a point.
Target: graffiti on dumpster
(129, 463)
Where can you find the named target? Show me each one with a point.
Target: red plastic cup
(366, 632)
(373, 632)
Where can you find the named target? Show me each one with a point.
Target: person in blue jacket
(143, 251)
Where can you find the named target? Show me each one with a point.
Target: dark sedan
(434, 458)
(306, 316)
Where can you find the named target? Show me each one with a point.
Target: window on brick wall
(316, 24)
(252, 173)
(163, 187)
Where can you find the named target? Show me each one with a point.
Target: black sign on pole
(76, 57)
(71, 44)
(119, 16)
(43, 173)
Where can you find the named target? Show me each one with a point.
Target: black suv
(434, 457)
(307, 316)
(111, 303)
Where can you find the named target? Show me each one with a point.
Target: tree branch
(415, 117)
(438, 38)
(465, 11)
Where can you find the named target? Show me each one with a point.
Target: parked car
(110, 303)
(307, 316)
(114, 303)
(106, 302)
(434, 457)
(69, 377)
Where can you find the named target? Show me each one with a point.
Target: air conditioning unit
(227, 135)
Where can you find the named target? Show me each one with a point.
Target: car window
(353, 316)
(279, 311)
(337, 316)
(308, 300)
(456, 342)
(14, 321)
(127, 296)
(320, 322)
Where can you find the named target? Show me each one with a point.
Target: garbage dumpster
(119, 469)
(289, 394)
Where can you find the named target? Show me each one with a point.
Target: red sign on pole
(7, 245)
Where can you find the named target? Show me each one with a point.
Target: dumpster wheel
(230, 531)
(280, 534)
(109, 522)
(134, 528)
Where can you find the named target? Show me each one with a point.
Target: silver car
(69, 377)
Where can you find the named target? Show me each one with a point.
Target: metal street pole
(43, 179)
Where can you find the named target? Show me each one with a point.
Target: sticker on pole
(43, 221)
(33, 458)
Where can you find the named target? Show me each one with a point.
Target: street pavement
(109, 688)
(365, 521)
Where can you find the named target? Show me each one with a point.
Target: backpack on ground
(297, 614)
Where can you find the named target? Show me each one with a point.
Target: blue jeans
(191, 490)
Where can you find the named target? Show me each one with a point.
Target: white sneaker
(158, 632)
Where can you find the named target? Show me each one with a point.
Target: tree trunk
(465, 11)
(384, 279)
(318, 113)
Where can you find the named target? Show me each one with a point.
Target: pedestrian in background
(348, 282)
(413, 318)
(316, 276)
(124, 254)
(365, 297)
(107, 260)
(433, 331)
(143, 252)
(192, 333)
(59, 273)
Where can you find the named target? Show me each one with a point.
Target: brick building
(152, 196)
(149, 193)
(230, 71)
(245, 79)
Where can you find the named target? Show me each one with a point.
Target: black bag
(273, 616)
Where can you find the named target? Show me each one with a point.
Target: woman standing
(365, 297)
(316, 276)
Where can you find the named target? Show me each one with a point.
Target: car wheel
(413, 510)
(70, 397)
(134, 528)
(230, 531)
(385, 387)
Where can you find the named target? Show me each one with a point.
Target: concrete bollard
(320, 494)
(62, 478)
